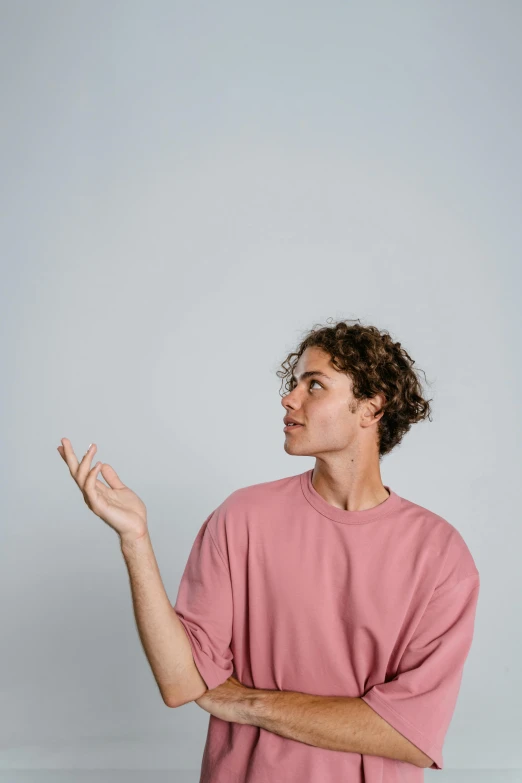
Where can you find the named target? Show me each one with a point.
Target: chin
(296, 451)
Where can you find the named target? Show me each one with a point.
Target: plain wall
(187, 188)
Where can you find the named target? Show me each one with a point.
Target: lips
(292, 426)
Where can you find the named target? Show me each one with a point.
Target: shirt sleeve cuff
(411, 733)
(212, 674)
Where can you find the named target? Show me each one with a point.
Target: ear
(373, 409)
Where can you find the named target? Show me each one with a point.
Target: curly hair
(377, 365)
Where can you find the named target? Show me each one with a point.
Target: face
(324, 405)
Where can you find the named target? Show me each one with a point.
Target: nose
(288, 401)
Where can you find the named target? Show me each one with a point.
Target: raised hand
(116, 504)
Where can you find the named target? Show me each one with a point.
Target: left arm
(343, 723)
(333, 722)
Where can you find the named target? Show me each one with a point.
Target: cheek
(332, 420)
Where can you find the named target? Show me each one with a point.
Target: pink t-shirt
(287, 592)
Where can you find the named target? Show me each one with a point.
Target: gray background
(186, 189)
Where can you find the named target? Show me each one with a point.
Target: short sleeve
(420, 700)
(204, 607)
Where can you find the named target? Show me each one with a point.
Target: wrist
(133, 542)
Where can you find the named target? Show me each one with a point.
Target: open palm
(116, 504)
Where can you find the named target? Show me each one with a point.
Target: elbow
(174, 700)
(173, 703)
(170, 703)
(192, 687)
(172, 697)
(179, 698)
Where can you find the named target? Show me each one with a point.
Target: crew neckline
(342, 515)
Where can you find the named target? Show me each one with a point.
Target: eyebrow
(310, 373)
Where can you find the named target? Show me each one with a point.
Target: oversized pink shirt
(287, 592)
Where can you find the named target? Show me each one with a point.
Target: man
(328, 618)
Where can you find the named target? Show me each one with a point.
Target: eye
(314, 381)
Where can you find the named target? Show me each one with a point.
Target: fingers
(83, 474)
(78, 470)
(112, 478)
(85, 465)
(90, 482)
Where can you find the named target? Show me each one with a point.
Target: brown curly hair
(376, 364)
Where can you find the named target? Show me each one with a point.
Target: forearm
(334, 723)
(161, 633)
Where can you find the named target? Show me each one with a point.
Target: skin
(116, 504)
(339, 431)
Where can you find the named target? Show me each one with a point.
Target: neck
(348, 486)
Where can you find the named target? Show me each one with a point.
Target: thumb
(111, 477)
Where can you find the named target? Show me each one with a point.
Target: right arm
(162, 635)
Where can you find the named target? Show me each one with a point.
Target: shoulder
(245, 506)
(261, 494)
(455, 557)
